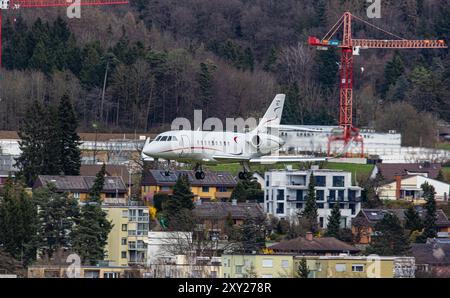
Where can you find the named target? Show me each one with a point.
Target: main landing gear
(245, 174)
(199, 174)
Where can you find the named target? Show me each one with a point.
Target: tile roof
(317, 245)
(158, 177)
(111, 170)
(431, 253)
(389, 171)
(375, 215)
(80, 183)
(220, 210)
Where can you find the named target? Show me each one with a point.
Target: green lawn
(444, 146)
(357, 170)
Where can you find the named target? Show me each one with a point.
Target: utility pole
(94, 125)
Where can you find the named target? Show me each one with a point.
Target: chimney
(398, 186)
(309, 236)
(234, 202)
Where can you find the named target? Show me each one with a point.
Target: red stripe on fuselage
(202, 148)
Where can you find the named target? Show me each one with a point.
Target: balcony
(223, 195)
(144, 218)
(134, 246)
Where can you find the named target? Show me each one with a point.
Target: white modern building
(286, 192)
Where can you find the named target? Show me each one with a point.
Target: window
(165, 188)
(267, 181)
(76, 195)
(163, 139)
(174, 139)
(299, 205)
(124, 241)
(124, 213)
(158, 138)
(124, 227)
(111, 275)
(357, 268)
(239, 269)
(284, 264)
(205, 188)
(320, 181)
(169, 138)
(321, 222)
(221, 189)
(338, 181)
(124, 254)
(300, 195)
(280, 208)
(280, 194)
(320, 195)
(267, 263)
(341, 268)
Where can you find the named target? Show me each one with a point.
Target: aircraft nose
(149, 149)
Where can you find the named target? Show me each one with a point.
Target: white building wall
(281, 196)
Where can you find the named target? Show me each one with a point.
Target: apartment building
(127, 241)
(286, 192)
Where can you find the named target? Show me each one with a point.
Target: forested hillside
(162, 59)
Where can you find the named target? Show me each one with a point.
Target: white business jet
(214, 147)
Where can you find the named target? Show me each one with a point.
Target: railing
(137, 246)
(144, 218)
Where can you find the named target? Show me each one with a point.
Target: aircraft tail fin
(273, 115)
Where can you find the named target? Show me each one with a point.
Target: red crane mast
(349, 47)
(18, 4)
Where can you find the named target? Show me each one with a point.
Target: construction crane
(348, 134)
(18, 4)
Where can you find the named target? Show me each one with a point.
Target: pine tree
(392, 72)
(441, 176)
(57, 215)
(91, 232)
(18, 222)
(413, 221)
(291, 113)
(252, 234)
(248, 189)
(70, 154)
(429, 222)
(334, 222)
(205, 81)
(179, 203)
(310, 211)
(302, 269)
(38, 143)
(390, 238)
(326, 64)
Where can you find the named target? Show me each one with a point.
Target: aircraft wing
(291, 158)
(230, 157)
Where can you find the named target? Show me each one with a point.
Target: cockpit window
(163, 139)
(169, 138)
(174, 139)
(157, 138)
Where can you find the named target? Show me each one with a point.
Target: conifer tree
(70, 154)
(390, 238)
(18, 222)
(310, 211)
(334, 222)
(413, 221)
(57, 215)
(91, 233)
(302, 270)
(38, 143)
(441, 176)
(252, 234)
(429, 223)
(177, 208)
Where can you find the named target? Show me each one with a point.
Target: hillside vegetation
(163, 59)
